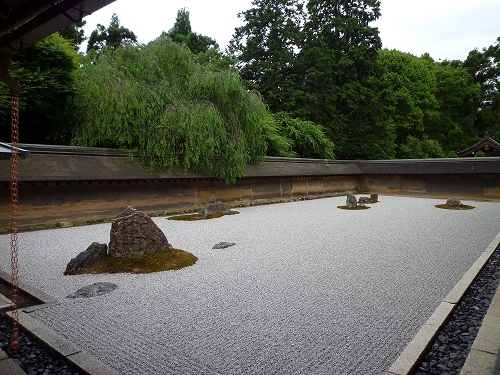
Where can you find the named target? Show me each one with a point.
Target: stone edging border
(416, 348)
(86, 363)
(484, 357)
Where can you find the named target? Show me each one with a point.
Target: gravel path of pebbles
(304, 295)
(449, 351)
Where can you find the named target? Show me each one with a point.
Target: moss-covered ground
(358, 207)
(461, 207)
(172, 259)
(193, 217)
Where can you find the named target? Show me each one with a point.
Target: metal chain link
(14, 191)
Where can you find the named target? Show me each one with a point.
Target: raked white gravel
(307, 289)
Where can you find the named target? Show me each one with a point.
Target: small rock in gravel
(96, 289)
(223, 245)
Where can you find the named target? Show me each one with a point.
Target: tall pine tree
(338, 55)
(266, 48)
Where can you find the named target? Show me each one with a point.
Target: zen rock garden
(212, 211)
(136, 245)
(352, 203)
(453, 203)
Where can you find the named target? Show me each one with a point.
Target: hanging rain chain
(14, 191)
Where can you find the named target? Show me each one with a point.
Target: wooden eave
(25, 22)
(488, 145)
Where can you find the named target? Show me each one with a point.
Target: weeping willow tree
(157, 100)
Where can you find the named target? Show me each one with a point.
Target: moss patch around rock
(354, 208)
(458, 208)
(193, 217)
(172, 259)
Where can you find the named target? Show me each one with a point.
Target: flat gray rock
(97, 289)
(223, 245)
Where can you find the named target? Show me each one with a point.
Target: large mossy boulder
(134, 233)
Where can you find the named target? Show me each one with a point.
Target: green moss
(193, 217)
(354, 208)
(461, 207)
(172, 259)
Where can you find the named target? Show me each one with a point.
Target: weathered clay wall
(72, 187)
(56, 204)
(473, 187)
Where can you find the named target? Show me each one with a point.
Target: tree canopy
(46, 72)
(159, 101)
(74, 33)
(312, 63)
(322, 62)
(111, 37)
(302, 78)
(266, 47)
(484, 67)
(181, 33)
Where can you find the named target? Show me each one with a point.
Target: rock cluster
(453, 202)
(132, 233)
(351, 201)
(371, 199)
(213, 208)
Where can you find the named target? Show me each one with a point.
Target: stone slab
(9, 367)
(31, 291)
(461, 287)
(410, 356)
(3, 355)
(484, 357)
(441, 314)
(89, 364)
(479, 363)
(47, 336)
(488, 337)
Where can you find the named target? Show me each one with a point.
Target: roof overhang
(488, 145)
(6, 150)
(25, 22)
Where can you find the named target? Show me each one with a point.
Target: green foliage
(292, 137)
(214, 60)
(406, 87)
(484, 67)
(181, 33)
(158, 100)
(266, 48)
(420, 98)
(277, 144)
(456, 95)
(46, 73)
(308, 139)
(313, 65)
(111, 37)
(416, 148)
(337, 56)
(74, 33)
